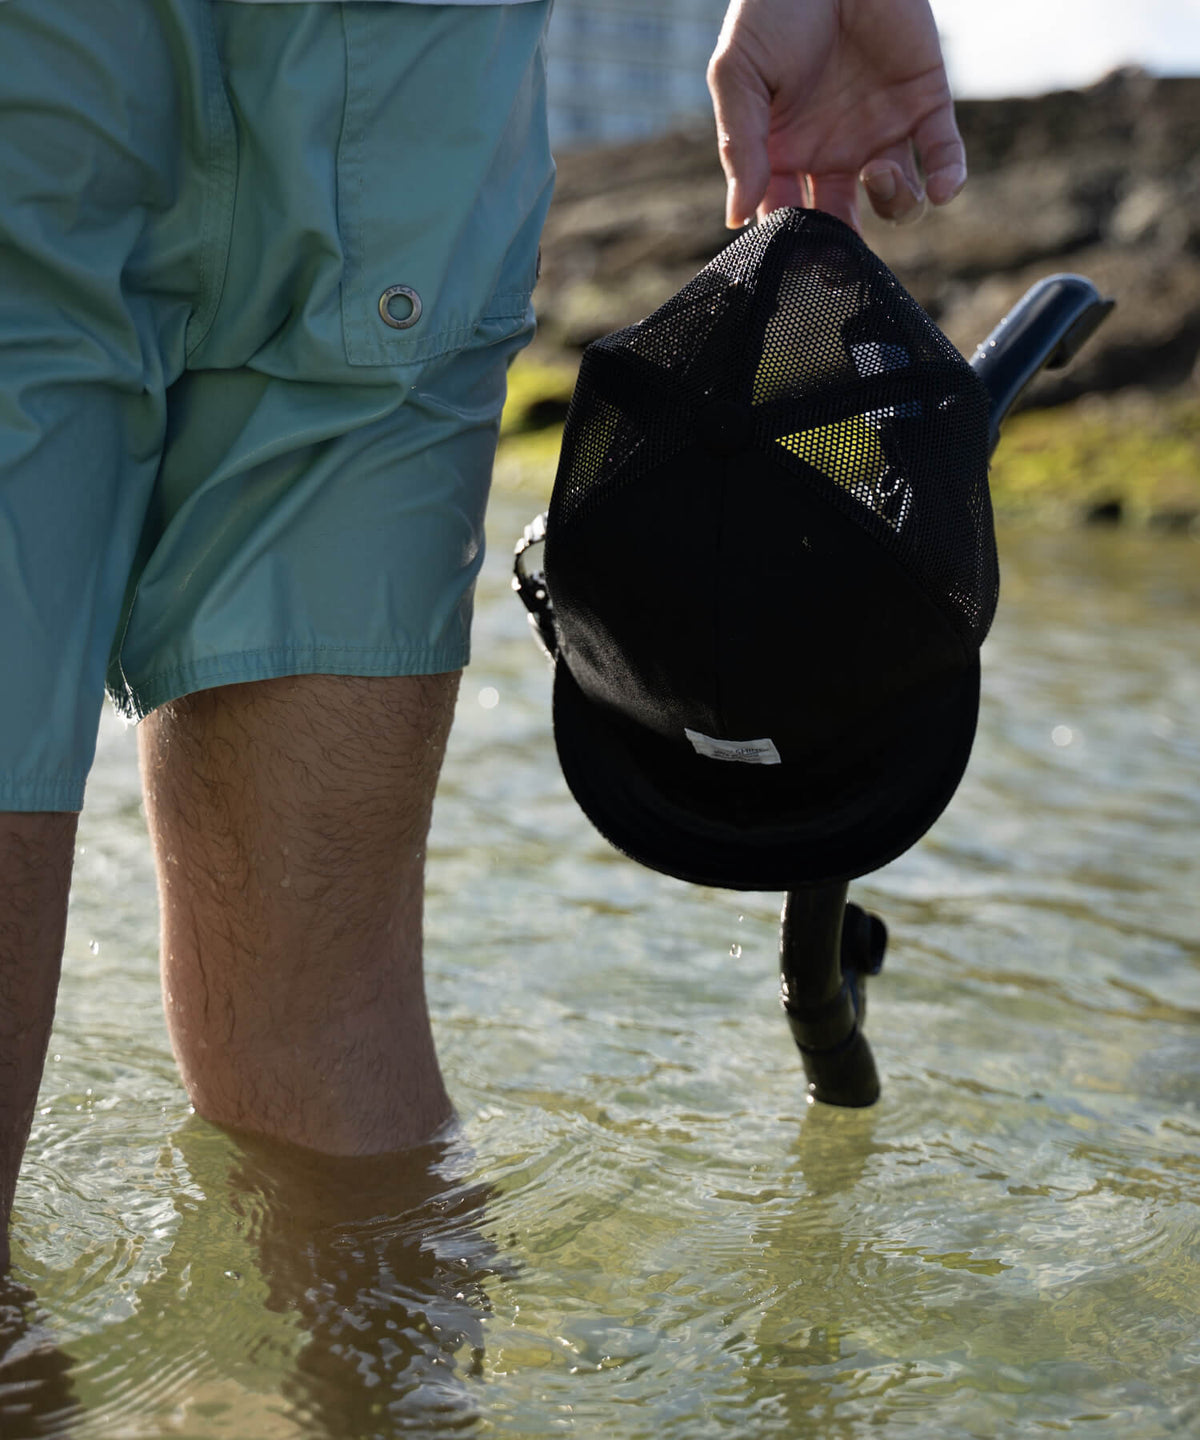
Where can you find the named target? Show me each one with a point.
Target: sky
(1023, 47)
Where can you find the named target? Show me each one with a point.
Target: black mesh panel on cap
(803, 324)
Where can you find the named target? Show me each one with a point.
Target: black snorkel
(1044, 330)
(828, 947)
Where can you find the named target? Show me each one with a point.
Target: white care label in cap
(749, 752)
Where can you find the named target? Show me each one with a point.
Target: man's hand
(811, 96)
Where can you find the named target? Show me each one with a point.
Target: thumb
(742, 109)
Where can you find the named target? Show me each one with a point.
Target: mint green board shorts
(262, 271)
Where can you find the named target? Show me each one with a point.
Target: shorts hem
(136, 700)
(38, 796)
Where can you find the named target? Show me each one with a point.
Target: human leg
(303, 595)
(96, 261)
(289, 819)
(36, 851)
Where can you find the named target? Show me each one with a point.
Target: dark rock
(1104, 512)
(542, 413)
(1175, 522)
(1104, 182)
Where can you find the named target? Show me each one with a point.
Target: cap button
(725, 428)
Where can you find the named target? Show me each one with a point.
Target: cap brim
(752, 827)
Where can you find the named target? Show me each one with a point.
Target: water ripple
(642, 1228)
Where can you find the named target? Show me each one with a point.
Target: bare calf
(36, 852)
(289, 819)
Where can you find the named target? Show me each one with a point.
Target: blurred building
(624, 69)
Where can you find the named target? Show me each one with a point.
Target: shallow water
(642, 1229)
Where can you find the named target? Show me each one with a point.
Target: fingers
(836, 195)
(943, 155)
(785, 189)
(943, 183)
(893, 188)
(893, 194)
(742, 107)
(892, 182)
(745, 100)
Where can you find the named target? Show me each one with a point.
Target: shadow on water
(302, 1295)
(37, 1397)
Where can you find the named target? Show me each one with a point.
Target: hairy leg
(36, 852)
(289, 820)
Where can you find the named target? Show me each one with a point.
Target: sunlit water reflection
(642, 1229)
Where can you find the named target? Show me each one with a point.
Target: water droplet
(94, 946)
(736, 951)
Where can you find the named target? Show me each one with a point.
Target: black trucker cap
(770, 557)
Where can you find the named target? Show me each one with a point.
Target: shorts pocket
(444, 176)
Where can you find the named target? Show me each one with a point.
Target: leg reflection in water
(36, 1395)
(381, 1262)
(279, 1295)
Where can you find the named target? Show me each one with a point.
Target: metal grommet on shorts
(400, 322)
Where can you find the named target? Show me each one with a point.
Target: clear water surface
(642, 1230)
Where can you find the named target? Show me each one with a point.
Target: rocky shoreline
(1104, 182)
